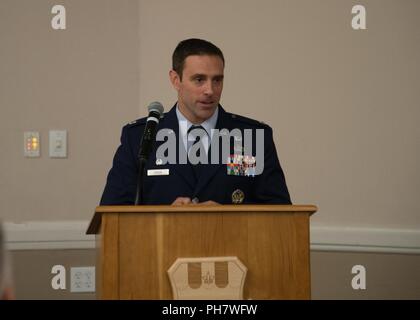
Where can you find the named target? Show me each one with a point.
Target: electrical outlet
(82, 279)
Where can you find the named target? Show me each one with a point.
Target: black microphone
(146, 144)
(149, 135)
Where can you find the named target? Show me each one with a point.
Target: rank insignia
(238, 196)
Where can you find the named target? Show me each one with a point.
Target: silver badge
(159, 162)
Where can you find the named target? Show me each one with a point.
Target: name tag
(158, 172)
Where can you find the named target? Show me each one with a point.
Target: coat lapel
(170, 121)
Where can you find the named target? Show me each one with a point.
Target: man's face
(201, 86)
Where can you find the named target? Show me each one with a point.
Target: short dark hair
(193, 47)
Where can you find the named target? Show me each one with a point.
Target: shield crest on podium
(207, 278)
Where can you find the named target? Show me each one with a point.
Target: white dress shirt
(209, 125)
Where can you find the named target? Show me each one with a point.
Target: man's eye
(199, 80)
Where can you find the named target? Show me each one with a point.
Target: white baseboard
(72, 235)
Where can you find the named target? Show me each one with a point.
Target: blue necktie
(193, 139)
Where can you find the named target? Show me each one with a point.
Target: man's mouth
(206, 103)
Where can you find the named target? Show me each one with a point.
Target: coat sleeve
(120, 188)
(271, 185)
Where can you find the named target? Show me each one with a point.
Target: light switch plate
(58, 143)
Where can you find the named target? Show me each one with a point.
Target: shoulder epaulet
(140, 121)
(137, 122)
(248, 120)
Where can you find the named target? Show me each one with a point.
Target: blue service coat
(214, 182)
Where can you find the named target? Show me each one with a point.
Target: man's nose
(208, 90)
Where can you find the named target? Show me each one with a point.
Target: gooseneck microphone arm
(146, 145)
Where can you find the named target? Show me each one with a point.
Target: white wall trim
(72, 235)
(362, 239)
(48, 235)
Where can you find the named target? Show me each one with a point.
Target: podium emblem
(208, 278)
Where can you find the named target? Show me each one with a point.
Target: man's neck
(208, 124)
(190, 117)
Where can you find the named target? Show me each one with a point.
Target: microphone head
(157, 107)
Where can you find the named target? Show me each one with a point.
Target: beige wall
(343, 105)
(37, 283)
(83, 79)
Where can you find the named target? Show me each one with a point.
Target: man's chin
(205, 112)
(207, 106)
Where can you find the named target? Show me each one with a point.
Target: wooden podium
(138, 244)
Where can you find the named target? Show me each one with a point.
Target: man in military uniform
(197, 75)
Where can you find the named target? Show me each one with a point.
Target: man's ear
(175, 79)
